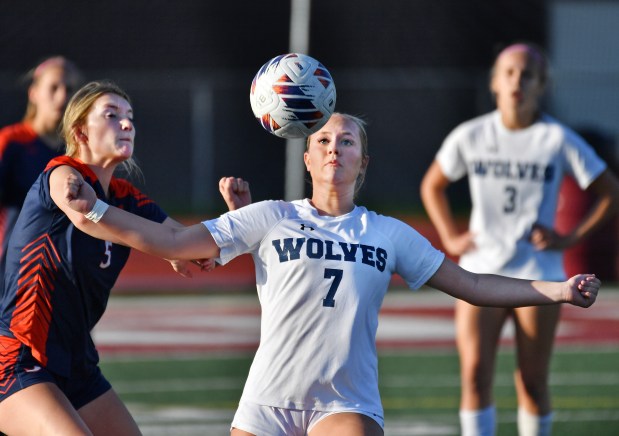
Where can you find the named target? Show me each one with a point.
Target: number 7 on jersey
(336, 274)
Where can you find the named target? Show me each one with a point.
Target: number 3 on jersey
(510, 199)
(336, 275)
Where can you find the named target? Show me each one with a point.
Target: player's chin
(125, 152)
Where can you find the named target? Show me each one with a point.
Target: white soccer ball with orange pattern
(292, 95)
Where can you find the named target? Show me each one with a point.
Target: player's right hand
(78, 194)
(235, 192)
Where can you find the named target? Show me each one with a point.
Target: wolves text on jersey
(513, 170)
(291, 249)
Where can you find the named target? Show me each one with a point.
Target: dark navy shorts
(18, 370)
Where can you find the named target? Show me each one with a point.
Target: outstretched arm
(183, 266)
(58, 185)
(494, 290)
(194, 242)
(235, 192)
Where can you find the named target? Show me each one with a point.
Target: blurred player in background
(323, 266)
(27, 146)
(58, 279)
(515, 158)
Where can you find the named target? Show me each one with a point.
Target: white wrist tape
(97, 211)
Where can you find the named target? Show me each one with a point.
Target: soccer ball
(292, 95)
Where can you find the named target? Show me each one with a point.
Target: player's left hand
(235, 192)
(583, 289)
(182, 266)
(205, 264)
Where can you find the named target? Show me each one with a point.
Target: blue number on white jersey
(329, 300)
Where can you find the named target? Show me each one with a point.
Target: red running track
(188, 324)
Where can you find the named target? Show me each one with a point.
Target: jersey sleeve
(11, 136)
(152, 211)
(44, 193)
(241, 231)
(130, 198)
(449, 156)
(416, 259)
(4, 140)
(582, 162)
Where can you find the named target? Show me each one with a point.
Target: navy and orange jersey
(23, 156)
(58, 279)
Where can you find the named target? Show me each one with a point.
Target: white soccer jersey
(321, 282)
(514, 179)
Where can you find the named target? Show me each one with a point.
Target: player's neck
(47, 133)
(332, 203)
(52, 140)
(104, 175)
(518, 119)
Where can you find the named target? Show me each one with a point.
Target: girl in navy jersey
(323, 266)
(58, 279)
(515, 159)
(27, 146)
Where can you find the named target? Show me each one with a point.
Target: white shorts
(275, 421)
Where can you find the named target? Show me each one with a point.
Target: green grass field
(197, 396)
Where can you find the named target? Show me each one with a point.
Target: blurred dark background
(412, 68)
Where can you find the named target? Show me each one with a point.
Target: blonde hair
(363, 137)
(32, 78)
(534, 51)
(77, 111)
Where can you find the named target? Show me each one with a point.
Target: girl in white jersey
(323, 266)
(515, 158)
